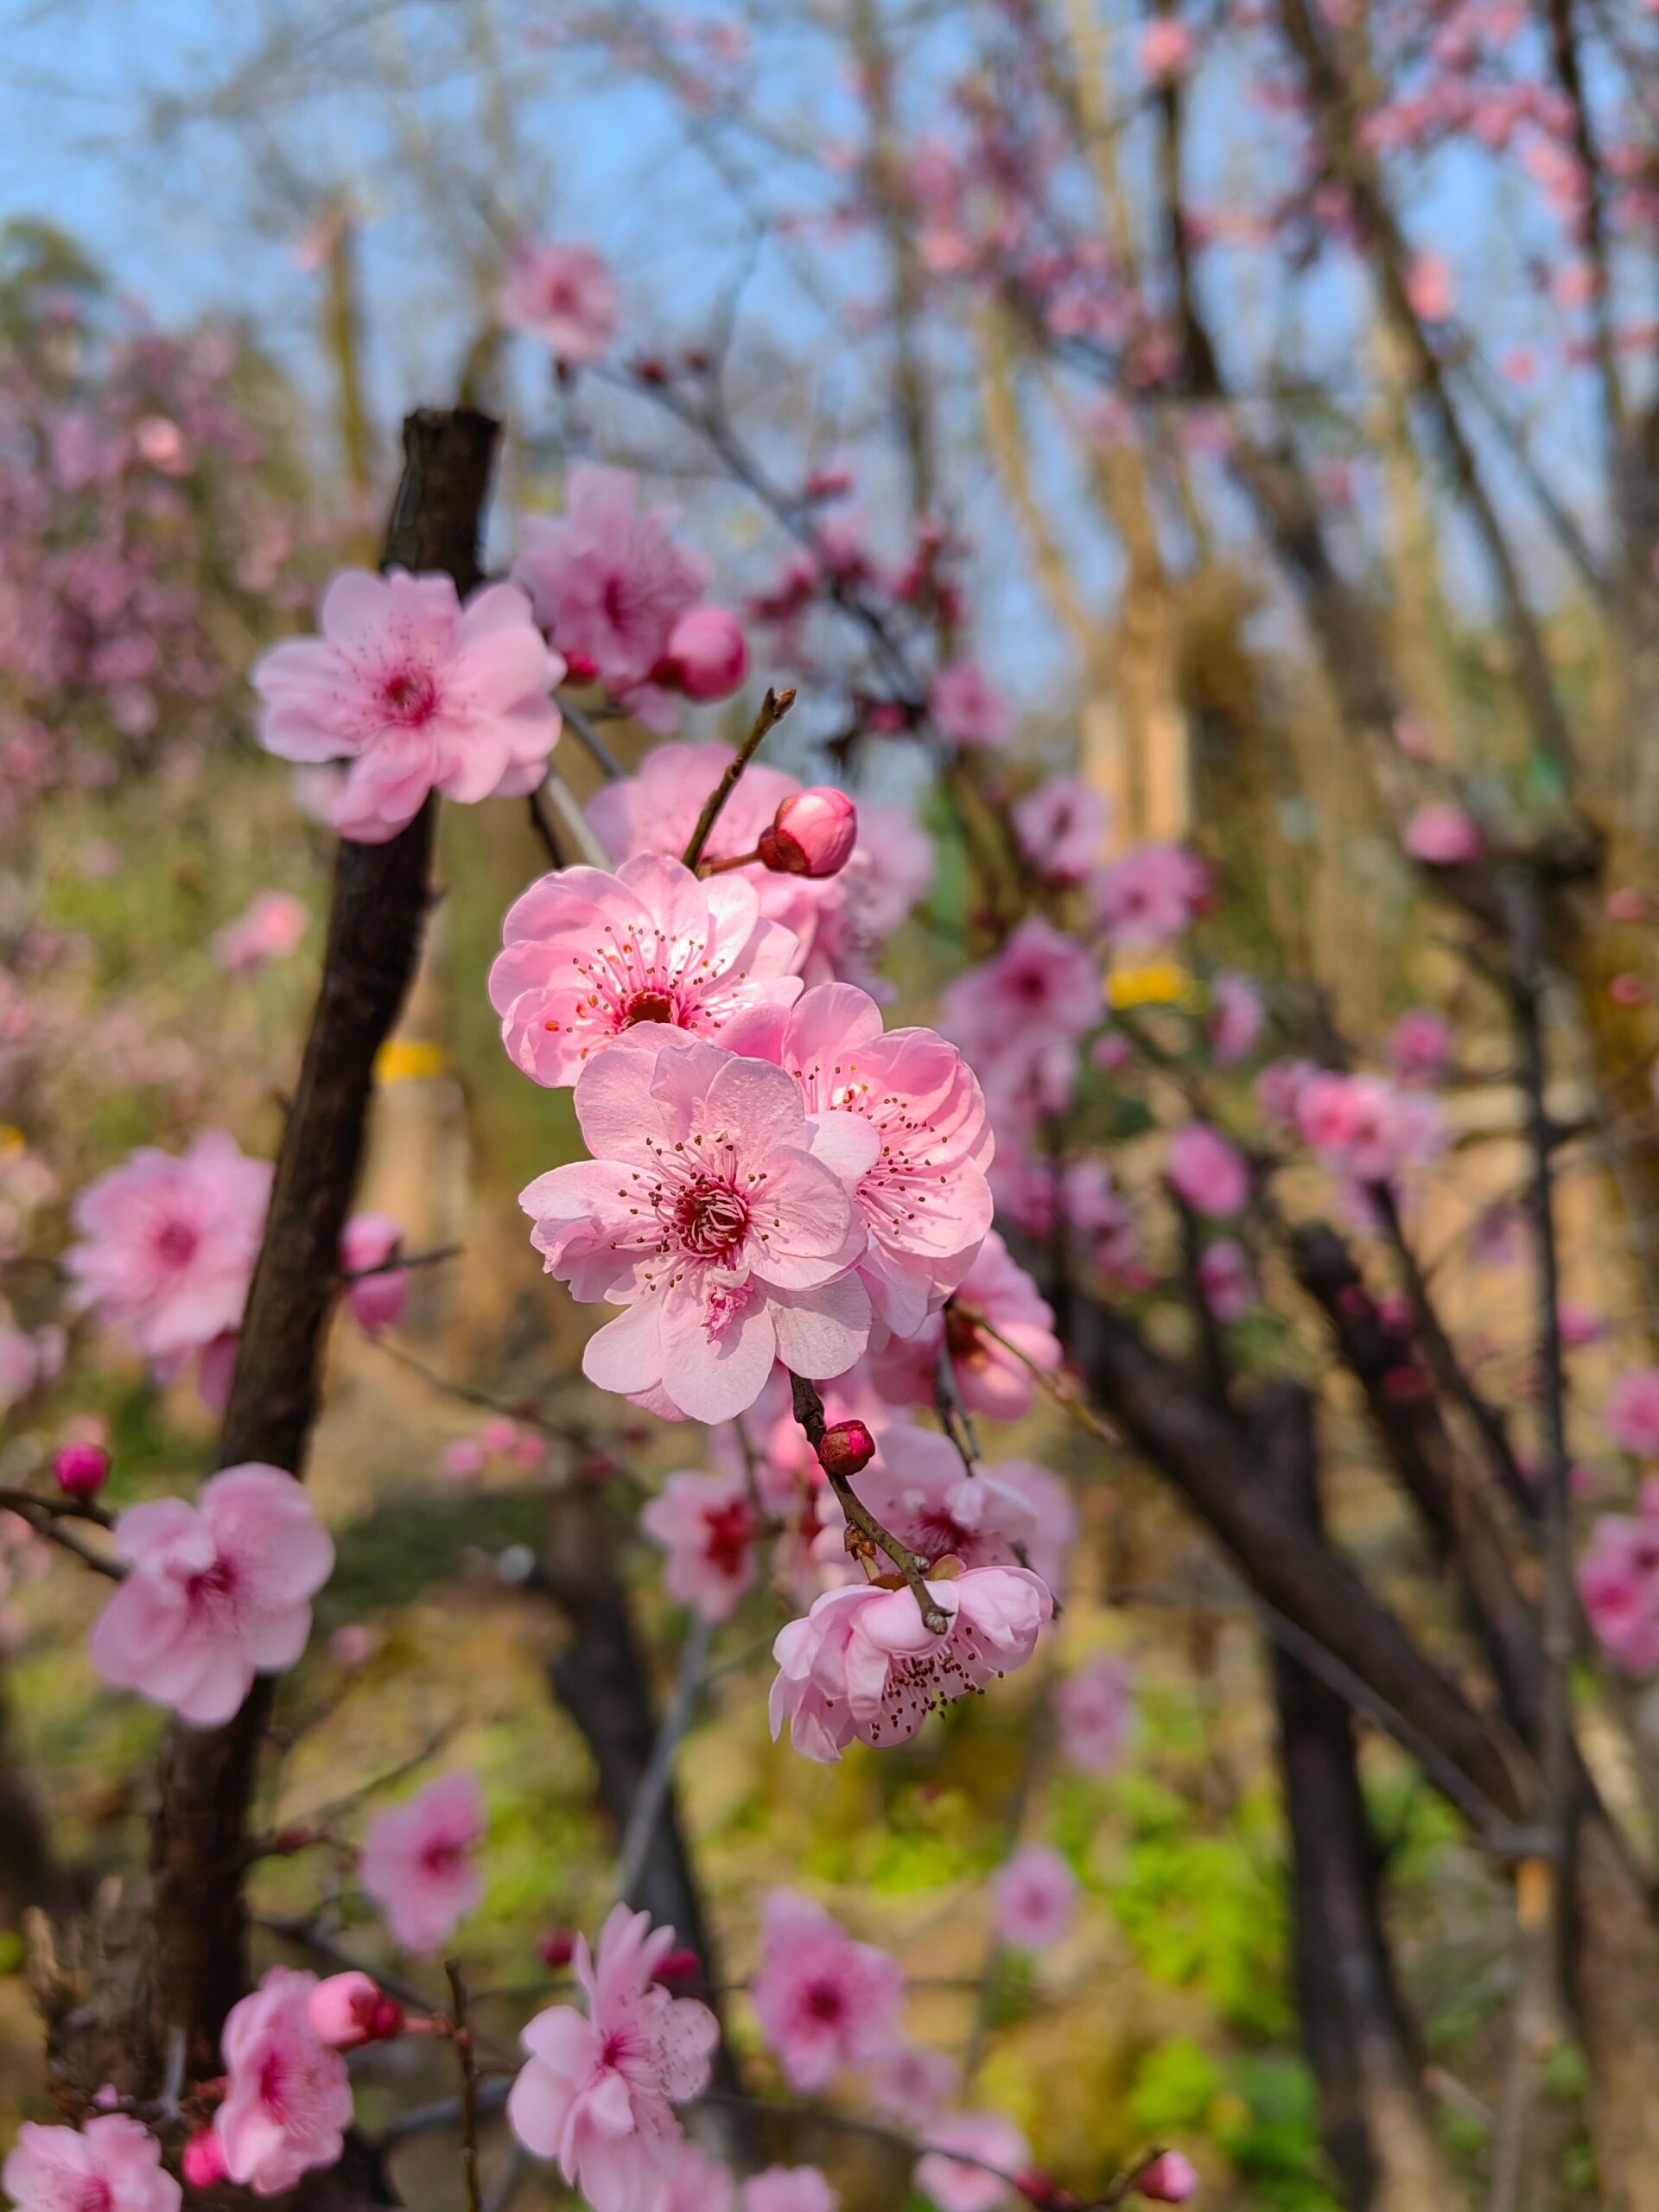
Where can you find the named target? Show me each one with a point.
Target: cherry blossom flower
(716, 1215)
(377, 1300)
(1035, 1897)
(1441, 834)
(590, 957)
(911, 2082)
(287, 2098)
(707, 1525)
(1061, 827)
(1041, 989)
(1618, 1581)
(1151, 893)
(1165, 51)
(1098, 1215)
(565, 295)
(991, 1378)
(1420, 1044)
(918, 1491)
(1429, 287)
(350, 2009)
(272, 927)
(608, 585)
(418, 692)
(823, 2001)
(708, 655)
(923, 1199)
(1170, 2179)
(597, 2089)
(112, 2164)
(1236, 1016)
(696, 2182)
(217, 1592)
(968, 707)
(1210, 1174)
(1364, 1127)
(1223, 1273)
(418, 1862)
(166, 1244)
(863, 1664)
(1631, 1416)
(996, 2148)
(1093, 1708)
(788, 2188)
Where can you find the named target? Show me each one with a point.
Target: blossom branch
(46, 1516)
(773, 708)
(464, 2053)
(865, 1535)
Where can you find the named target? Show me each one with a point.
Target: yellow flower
(407, 1059)
(1163, 983)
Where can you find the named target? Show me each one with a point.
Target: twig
(773, 708)
(648, 1798)
(591, 742)
(399, 1261)
(468, 2087)
(865, 1535)
(568, 807)
(543, 826)
(509, 2179)
(46, 1516)
(1059, 1388)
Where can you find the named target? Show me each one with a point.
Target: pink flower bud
(707, 656)
(812, 833)
(1170, 2179)
(581, 668)
(681, 1965)
(349, 2009)
(556, 1948)
(203, 2164)
(846, 1446)
(81, 1470)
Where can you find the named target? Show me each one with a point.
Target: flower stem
(865, 1535)
(773, 708)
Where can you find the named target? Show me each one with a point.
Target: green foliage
(401, 1550)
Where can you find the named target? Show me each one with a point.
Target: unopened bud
(681, 1965)
(707, 655)
(556, 1948)
(1170, 2179)
(81, 1470)
(349, 2009)
(203, 2162)
(846, 1446)
(812, 833)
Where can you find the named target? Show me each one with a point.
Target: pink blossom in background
(565, 295)
(918, 1491)
(1170, 2179)
(112, 2164)
(1631, 1413)
(352, 1645)
(598, 2087)
(369, 1240)
(1165, 51)
(1236, 1018)
(1049, 1548)
(922, 1197)
(1034, 1898)
(462, 1458)
(418, 692)
(1618, 1582)
(1061, 827)
(967, 707)
(216, 1591)
(1093, 1708)
(28, 1357)
(657, 810)
(608, 584)
(166, 1245)
(1210, 1174)
(707, 1525)
(1098, 1215)
(1279, 1090)
(1224, 1278)
(998, 2149)
(823, 2001)
(1366, 1128)
(708, 655)
(270, 929)
(696, 2182)
(1420, 1044)
(1042, 989)
(287, 2098)
(419, 1861)
(716, 1215)
(1153, 893)
(1579, 1325)
(1429, 287)
(590, 957)
(990, 1378)
(864, 1666)
(1442, 835)
(788, 2188)
(911, 2082)
(856, 911)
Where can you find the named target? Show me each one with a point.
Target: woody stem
(773, 708)
(865, 1535)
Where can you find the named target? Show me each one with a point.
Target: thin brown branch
(865, 1535)
(773, 708)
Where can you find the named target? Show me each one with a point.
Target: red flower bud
(707, 656)
(81, 1470)
(556, 1948)
(812, 833)
(681, 1965)
(580, 668)
(1170, 2179)
(846, 1447)
(349, 2009)
(203, 2162)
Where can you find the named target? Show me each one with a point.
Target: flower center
(823, 2001)
(727, 1529)
(175, 1243)
(712, 1219)
(409, 696)
(648, 1006)
(442, 1856)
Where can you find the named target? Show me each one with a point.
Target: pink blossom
(377, 1300)
(1050, 1546)
(1236, 1017)
(462, 1458)
(657, 810)
(1061, 827)
(168, 1244)
(1210, 1174)
(588, 957)
(707, 1525)
(968, 707)
(991, 2151)
(418, 1862)
(911, 2082)
(1420, 1043)
(1631, 1416)
(1430, 289)
(716, 1214)
(922, 1197)
(597, 2091)
(788, 2188)
(991, 1379)
(1618, 1582)
(1093, 1708)
(1041, 989)
(1170, 2179)
(707, 656)
(1441, 834)
(1035, 1897)
(288, 2103)
(823, 2001)
(608, 585)
(112, 2164)
(1224, 1277)
(565, 295)
(864, 1665)
(352, 1645)
(1166, 50)
(418, 692)
(1098, 1215)
(919, 1491)
(1363, 1126)
(349, 2009)
(272, 927)
(1153, 893)
(1279, 1089)
(696, 2182)
(217, 1592)
(813, 833)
